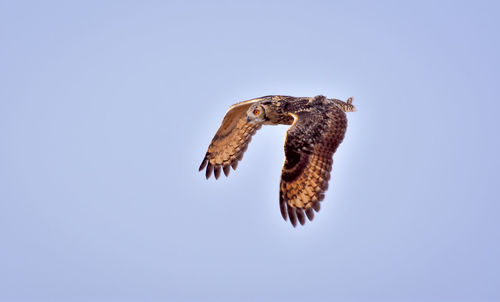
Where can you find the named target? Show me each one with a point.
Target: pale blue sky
(107, 108)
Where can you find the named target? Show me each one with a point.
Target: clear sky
(107, 108)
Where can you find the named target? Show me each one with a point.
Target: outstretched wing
(230, 141)
(309, 147)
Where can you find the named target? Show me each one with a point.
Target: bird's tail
(347, 106)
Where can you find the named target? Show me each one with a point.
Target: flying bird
(318, 125)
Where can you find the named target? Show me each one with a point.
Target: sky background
(107, 108)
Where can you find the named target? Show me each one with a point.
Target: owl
(317, 128)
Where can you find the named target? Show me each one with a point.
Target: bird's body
(317, 128)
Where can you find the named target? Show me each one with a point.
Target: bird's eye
(256, 112)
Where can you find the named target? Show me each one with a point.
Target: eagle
(318, 126)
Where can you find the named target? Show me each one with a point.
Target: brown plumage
(318, 128)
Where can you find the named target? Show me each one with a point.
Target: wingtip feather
(234, 164)
(216, 171)
(292, 215)
(316, 206)
(209, 170)
(283, 208)
(226, 170)
(310, 214)
(300, 215)
(203, 164)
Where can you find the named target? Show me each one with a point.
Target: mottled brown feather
(230, 141)
(309, 147)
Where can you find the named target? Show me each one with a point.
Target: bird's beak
(248, 119)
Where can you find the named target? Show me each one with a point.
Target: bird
(317, 127)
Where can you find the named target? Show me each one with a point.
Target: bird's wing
(230, 141)
(309, 146)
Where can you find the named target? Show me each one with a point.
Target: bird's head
(256, 114)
